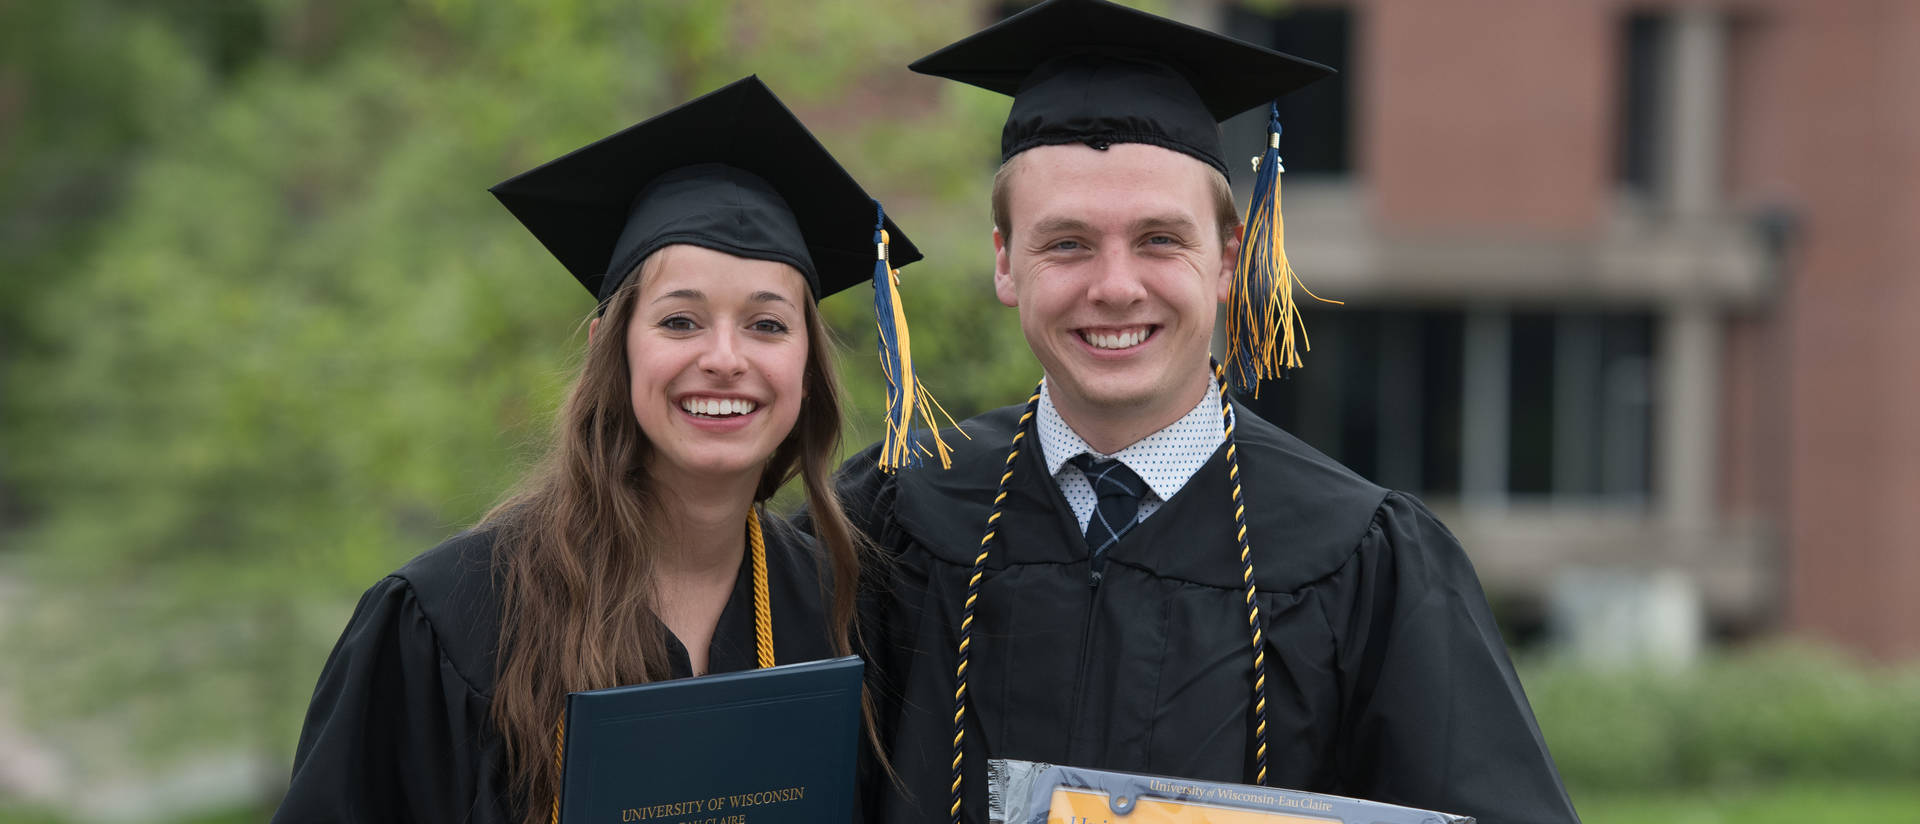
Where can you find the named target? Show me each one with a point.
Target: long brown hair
(574, 547)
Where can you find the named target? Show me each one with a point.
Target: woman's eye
(678, 323)
(769, 326)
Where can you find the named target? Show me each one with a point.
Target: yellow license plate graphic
(1090, 807)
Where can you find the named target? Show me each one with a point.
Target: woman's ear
(592, 327)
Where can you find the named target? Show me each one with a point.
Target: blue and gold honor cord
(1246, 576)
(762, 638)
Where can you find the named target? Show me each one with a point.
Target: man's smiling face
(1116, 263)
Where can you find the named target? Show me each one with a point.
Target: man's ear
(1003, 286)
(1229, 260)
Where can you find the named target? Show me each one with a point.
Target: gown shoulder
(1433, 714)
(398, 729)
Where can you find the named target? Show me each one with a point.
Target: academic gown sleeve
(867, 495)
(1434, 715)
(394, 733)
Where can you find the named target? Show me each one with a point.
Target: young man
(1076, 588)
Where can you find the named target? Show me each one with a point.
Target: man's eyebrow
(1058, 225)
(1171, 222)
(1069, 225)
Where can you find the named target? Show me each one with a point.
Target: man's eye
(1066, 245)
(1163, 240)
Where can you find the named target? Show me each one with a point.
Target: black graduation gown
(1387, 677)
(399, 731)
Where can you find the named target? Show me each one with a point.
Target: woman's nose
(722, 356)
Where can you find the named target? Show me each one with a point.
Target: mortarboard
(734, 171)
(1089, 71)
(1093, 72)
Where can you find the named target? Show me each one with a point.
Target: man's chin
(1107, 396)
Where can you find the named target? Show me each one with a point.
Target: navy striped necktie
(1118, 491)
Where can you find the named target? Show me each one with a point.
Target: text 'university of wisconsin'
(716, 804)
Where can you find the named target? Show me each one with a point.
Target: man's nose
(1115, 279)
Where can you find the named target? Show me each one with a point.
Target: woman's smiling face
(717, 358)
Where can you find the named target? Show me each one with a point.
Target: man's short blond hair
(1225, 213)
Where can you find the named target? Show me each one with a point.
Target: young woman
(636, 552)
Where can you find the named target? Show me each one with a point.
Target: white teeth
(1121, 340)
(718, 407)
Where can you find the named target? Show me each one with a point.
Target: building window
(1317, 121)
(1488, 405)
(1644, 77)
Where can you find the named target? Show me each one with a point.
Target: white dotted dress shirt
(1164, 459)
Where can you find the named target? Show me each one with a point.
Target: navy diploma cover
(765, 746)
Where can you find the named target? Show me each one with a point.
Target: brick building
(1627, 291)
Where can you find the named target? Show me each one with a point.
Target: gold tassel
(1265, 334)
(907, 397)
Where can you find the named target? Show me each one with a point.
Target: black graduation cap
(732, 171)
(1090, 71)
(736, 172)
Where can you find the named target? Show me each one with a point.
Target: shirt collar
(1164, 459)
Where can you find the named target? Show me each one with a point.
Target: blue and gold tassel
(906, 397)
(1262, 319)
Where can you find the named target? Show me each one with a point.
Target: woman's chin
(703, 467)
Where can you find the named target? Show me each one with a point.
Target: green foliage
(289, 341)
(1750, 718)
(1795, 803)
(39, 815)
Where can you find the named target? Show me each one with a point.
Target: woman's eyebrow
(770, 297)
(688, 294)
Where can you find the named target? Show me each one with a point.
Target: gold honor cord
(762, 636)
(762, 607)
(1246, 576)
(973, 596)
(559, 748)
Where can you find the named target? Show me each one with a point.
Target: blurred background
(1628, 295)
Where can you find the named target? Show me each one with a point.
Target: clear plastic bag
(1024, 792)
